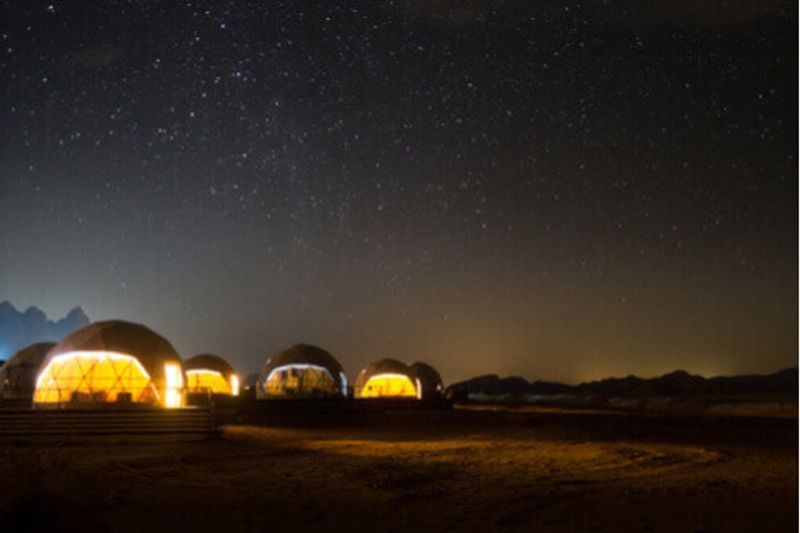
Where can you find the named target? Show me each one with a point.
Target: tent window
(94, 377)
(301, 380)
(209, 381)
(389, 386)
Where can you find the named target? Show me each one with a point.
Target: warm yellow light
(234, 385)
(94, 377)
(300, 380)
(174, 379)
(388, 385)
(210, 381)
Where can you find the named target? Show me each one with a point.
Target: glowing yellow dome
(111, 362)
(302, 371)
(211, 374)
(387, 378)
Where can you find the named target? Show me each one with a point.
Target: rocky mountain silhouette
(678, 383)
(19, 329)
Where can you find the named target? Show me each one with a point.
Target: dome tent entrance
(387, 378)
(302, 371)
(18, 375)
(111, 362)
(211, 374)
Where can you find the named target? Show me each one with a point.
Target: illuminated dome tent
(18, 375)
(302, 371)
(429, 379)
(211, 374)
(107, 362)
(387, 378)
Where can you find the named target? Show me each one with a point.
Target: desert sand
(410, 471)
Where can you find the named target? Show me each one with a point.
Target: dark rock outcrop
(678, 383)
(22, 328)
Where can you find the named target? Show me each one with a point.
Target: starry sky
(557, 190)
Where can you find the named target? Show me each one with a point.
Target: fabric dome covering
(18, 375)
(301, 371)
(209, 373)
(208, 361)
(431, 381)
(111, 361)
(387, 378)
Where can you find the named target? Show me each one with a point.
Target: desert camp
(110, 362)
(399, 266)
(122, 364)
(182, 428)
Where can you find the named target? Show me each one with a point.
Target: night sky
(567, 191)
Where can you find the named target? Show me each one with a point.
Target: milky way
(562, 192)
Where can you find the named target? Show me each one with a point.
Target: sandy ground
(451, 471)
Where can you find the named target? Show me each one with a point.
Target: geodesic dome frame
(110, 362)
(18, 375)
(302, 371)
(387, 378)
(429, 378)
(211, 374)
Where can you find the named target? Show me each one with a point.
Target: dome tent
(111, 361)
(387, 378)
(18, 375)
(211, 374)
(430, 380)
(302, 371)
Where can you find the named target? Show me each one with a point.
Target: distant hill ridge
(676, 383)
(19, 329)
